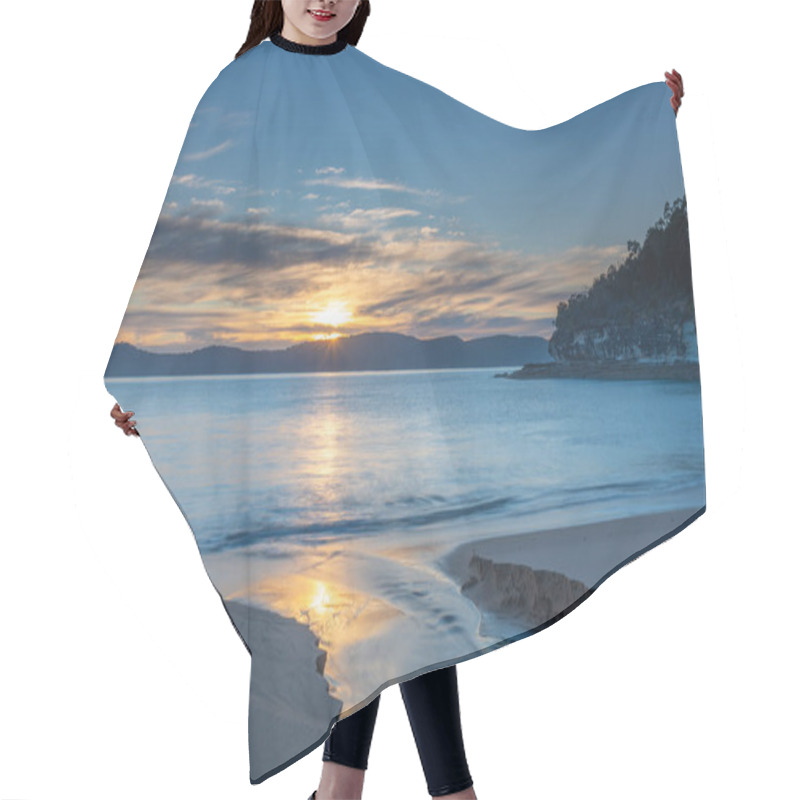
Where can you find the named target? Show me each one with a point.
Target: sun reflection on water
(338, 616)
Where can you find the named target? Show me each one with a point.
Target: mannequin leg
(433, 709)
(434, 712)
(346, 754)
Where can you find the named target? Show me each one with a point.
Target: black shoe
(313, 795)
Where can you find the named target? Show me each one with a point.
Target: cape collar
(311, 49)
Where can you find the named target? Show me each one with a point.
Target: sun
(335, 314)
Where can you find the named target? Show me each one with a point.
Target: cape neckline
(311, 49)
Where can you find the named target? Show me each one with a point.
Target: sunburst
(335, 314)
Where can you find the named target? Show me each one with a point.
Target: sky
(323, 196)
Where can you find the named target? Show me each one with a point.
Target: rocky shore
(610, 369)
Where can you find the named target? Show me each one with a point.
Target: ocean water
(329, 497)
(317, 457)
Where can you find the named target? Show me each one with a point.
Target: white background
(121, 675)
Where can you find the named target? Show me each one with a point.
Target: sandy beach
(331, 625)
(535, 577)
(290, 705)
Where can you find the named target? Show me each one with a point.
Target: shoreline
(629, 369)
(290, 704)
(533, 577)
(490, 591)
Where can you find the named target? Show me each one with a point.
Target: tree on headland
(651, 287)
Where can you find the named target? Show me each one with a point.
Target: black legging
(433, 710)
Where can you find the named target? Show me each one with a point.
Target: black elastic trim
(344, 762)
(311, 49)
(451, 788)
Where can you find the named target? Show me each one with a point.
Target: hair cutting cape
(419, 381)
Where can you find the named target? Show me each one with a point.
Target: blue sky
(321, 196)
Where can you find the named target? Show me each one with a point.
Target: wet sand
(535, 576)
(331, 625)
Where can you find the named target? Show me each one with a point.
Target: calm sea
(322, 456)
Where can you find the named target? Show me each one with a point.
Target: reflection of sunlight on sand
(338, 616)
(374, 608)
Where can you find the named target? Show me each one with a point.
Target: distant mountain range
(364, 351)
